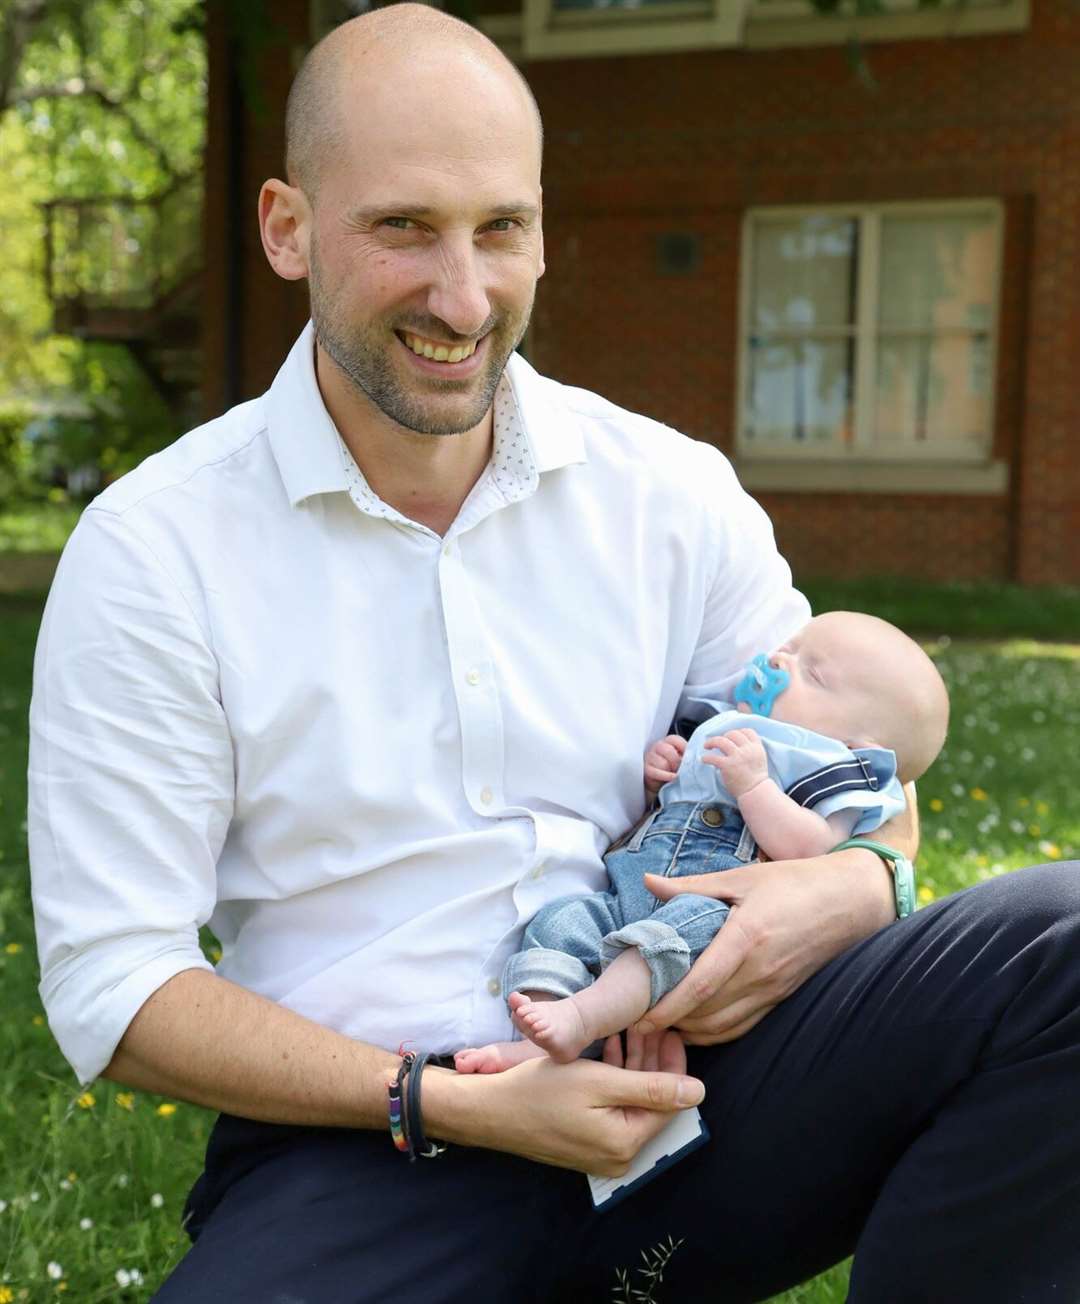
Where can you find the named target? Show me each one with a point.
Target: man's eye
(398, 223)
(502, 224)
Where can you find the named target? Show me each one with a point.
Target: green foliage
(14, 452)
(108, 99)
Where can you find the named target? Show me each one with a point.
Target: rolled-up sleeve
(130, 787)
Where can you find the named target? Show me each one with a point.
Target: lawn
(91, 1184)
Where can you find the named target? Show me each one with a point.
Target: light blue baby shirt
(818, 772)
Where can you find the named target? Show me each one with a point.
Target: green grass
(982, 610)
(999, 797)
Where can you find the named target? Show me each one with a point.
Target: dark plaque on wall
(678, 253)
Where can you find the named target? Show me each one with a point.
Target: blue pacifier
(761, 685)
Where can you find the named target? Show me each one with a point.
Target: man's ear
(540, 218)
(285, 226)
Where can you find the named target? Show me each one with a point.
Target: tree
(97, 98)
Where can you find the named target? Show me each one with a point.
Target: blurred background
(836, 238)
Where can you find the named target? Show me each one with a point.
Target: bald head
(397, 43)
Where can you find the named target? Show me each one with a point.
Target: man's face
(425, 250)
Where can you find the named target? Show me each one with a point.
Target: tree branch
(75, 88)
(18, 28)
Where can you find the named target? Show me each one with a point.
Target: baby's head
(861, 680)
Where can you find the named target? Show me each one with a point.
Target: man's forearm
(204, 1039)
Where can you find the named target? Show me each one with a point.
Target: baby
(823, 734)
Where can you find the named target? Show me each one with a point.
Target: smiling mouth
(436, 351)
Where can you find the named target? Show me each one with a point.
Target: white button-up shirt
(364, 753)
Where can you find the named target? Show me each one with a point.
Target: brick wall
(686, 143)
(642, 146)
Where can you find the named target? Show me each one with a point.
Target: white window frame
(862, 449)
(551, 33)
(542, 31)
(797, 23)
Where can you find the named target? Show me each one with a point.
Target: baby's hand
(662, 762)
(740, 758)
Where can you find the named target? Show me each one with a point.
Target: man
(363, 673)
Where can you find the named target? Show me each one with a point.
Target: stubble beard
(364, 357)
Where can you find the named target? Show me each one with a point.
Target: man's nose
(457, 295)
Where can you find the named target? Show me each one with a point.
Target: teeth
(439, 352)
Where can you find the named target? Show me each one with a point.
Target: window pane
(804, 273)
(937, 273)
(799, 392)
(933, 389)
(611, 4)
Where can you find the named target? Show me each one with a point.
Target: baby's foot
(555, 1026)
(496, 1058)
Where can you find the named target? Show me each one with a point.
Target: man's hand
(740, 757)
(788, 919)
(589, 1116)
(662, 762)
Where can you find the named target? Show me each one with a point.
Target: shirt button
(447, 549)
(473, 677)
(486, 796)
(494, 986)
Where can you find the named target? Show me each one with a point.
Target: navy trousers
(915, 1103)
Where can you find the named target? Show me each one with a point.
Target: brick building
(858, 276)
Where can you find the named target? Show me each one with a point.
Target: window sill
(873, 477)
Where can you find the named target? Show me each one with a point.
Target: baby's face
(832, 679)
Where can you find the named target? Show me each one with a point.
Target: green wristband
(903, 871)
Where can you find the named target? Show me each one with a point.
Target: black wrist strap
(419, 1144)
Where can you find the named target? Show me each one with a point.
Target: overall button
(713, 816)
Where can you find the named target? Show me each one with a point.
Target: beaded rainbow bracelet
(398, 1123)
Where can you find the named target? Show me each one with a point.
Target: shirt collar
(307, 446)
(302, 434)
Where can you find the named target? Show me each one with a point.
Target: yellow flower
(38, 1020)
(61, 1285)
(1041, 808)
(1034, 830)
(166, 1108)
(126, 1100)
(215, 954)
(978, 794)
(85, 1101)
(936, 803)
(7, 1295)
(982, 861)
(1050, 849)
(73, 1176)
(926, 895)
(13, 948)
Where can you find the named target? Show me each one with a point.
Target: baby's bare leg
(564, 1028)
(500, 1055)
(496, 1057)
